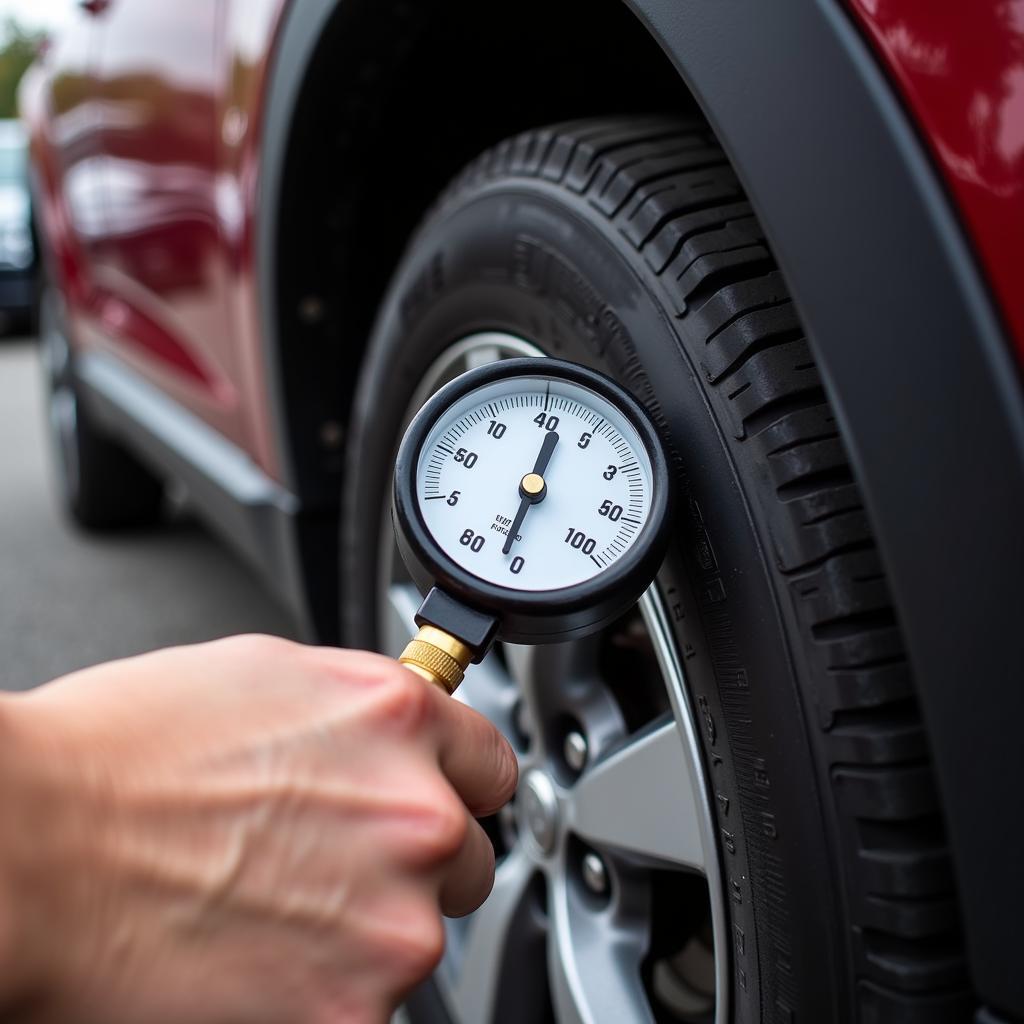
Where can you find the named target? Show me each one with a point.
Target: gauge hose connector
(437, 656)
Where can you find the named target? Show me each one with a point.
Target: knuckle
(443, 825)
(419, 948)
(404, 702)
(259, 646)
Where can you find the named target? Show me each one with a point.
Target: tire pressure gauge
(531, 505)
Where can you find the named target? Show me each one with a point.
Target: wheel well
(398, 96)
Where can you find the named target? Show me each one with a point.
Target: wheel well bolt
(574, 750)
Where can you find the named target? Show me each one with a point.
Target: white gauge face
(546, 460)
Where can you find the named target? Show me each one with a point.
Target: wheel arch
(360, 93)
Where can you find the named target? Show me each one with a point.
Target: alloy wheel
(607, 903)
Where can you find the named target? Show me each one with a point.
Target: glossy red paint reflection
(144, 119)
(960, 66)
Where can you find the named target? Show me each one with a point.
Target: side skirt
(260, 519)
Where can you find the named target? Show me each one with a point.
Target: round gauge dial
(534, 482)
(534, 492)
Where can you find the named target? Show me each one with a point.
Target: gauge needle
(532, 488)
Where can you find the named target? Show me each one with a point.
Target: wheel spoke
(594, 962)
(496, 944)
(641, 799)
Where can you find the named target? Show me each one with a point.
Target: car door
(160, 268)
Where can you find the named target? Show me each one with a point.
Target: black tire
(103, 486)
(628, 245)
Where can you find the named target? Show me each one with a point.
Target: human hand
(246, 830)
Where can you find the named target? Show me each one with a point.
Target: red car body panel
(146, 121)
(960, 68)
(145, 141)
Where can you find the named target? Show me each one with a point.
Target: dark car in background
(784, 788)
(17, 249)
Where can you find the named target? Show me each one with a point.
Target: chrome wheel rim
(600, 809)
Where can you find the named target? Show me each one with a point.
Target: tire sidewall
(532, 261)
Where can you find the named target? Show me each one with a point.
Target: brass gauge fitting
(437, 656)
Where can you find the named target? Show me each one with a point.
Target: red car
(785, 787)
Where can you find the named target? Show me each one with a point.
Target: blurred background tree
(18, 47)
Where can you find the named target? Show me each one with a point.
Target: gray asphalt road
(68, 599)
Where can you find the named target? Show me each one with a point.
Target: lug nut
(574, 750)
(595, 874)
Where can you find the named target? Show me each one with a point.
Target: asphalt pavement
(70, 599)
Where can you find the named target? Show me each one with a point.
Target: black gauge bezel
(545, 616)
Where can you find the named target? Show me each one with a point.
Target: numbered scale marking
(592, 497)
